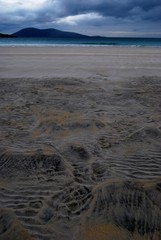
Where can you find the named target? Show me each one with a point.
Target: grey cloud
(144, 9)
(125, 12)
(114, 8)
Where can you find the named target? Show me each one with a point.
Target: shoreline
(79, 46)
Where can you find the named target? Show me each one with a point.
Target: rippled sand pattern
(80, 159)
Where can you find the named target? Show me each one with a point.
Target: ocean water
(133, 42)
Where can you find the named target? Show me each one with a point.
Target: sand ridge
(61, 153)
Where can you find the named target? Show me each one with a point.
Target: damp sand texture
(80, 145)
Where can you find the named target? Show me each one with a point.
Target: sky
(111, 18)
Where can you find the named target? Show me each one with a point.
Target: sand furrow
(76, 156)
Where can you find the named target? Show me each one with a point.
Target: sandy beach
(80, 145)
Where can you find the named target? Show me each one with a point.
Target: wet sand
(80, 153)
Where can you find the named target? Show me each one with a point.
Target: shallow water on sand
(80, 159)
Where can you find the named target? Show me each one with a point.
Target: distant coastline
(54, 37)
(2, 35)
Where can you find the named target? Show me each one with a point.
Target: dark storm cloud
(61, 13)
(145, 9)
(115, 8)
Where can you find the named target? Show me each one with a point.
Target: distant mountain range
(45, 33)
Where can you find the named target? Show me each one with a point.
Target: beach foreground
(80, 143)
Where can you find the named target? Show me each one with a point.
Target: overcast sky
(91, 17)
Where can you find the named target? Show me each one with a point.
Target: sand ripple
(80, 159)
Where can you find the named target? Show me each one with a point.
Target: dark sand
(80, 146)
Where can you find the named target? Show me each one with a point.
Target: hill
(47, 33)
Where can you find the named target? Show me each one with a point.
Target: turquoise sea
(94, 41)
